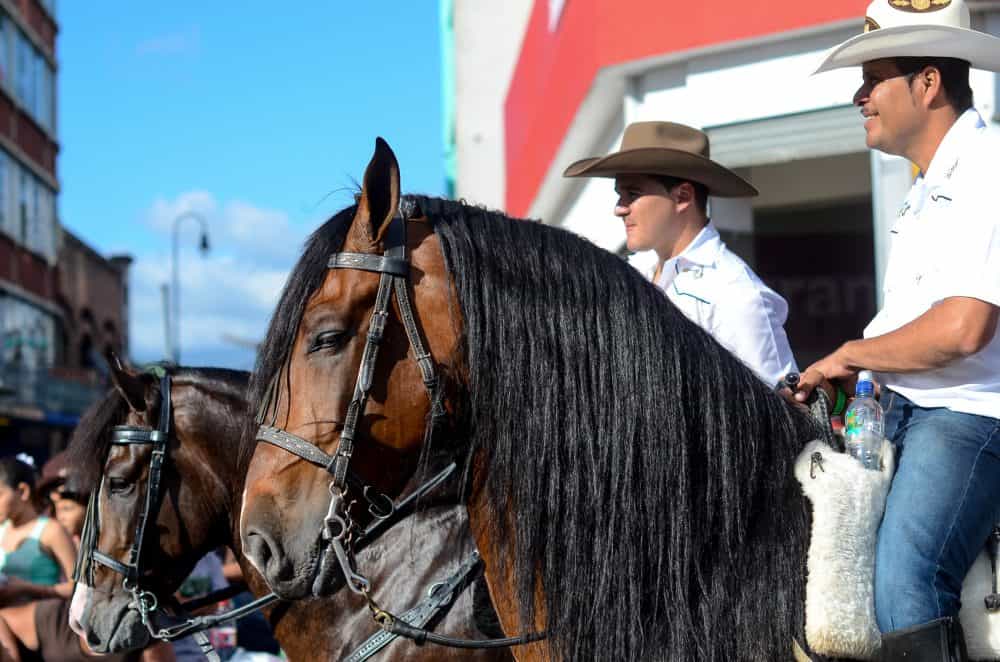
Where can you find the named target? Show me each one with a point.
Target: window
(4, 39)
(24, 86)
(48, 118)
(33, 78)
(47, 227)
(5, 224)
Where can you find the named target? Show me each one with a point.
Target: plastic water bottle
(865, 429)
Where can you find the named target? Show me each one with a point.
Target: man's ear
(934, 92)
(683, 195)
(128, 383)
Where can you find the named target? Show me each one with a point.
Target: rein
(341, 533)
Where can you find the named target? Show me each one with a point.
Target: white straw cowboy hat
(916, 28)
(668, 149)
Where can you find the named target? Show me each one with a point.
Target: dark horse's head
(198, 483)
(630, 481)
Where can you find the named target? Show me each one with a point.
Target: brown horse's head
(192, 516)
(286, 498)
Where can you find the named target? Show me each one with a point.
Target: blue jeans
(942, 505)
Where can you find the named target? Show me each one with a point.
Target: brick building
(92, 293)
(61, 304)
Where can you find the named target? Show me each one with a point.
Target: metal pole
(175, 292)
(175, 279)
(168, 344)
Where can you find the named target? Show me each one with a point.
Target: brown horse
(202, 483)
(629, 481)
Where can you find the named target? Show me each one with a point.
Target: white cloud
(229, 293)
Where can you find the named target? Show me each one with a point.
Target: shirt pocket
(941, 236)
(908, 255)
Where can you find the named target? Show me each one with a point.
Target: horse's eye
(328, 340)
(119, 486)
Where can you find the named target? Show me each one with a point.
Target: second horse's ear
(128, 383)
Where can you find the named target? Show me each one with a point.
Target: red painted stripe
(555, 70)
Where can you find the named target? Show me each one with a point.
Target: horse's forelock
(307, 275)
(90, 440)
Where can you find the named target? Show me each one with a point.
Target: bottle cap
(866, 384)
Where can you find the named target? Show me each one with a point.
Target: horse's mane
(644, 470)
(88, 446)
(636, 465)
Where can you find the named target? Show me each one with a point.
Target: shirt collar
(965, 128)
(704, 250)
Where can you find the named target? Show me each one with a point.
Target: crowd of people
(41, 520)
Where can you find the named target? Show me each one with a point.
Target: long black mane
(646, 473)
(91, 438)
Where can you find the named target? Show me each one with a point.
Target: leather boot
(940, 640)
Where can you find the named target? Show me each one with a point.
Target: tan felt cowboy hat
(916, 28)
(665, 148)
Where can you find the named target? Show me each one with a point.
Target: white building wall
(488, 39)
(783, 113)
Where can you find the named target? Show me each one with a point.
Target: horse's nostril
(260, 549)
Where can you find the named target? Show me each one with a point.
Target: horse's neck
(217, 440)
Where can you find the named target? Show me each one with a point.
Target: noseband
(145, 601)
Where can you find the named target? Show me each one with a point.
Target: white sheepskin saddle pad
(848, 501)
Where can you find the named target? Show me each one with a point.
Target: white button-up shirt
(715, 289)
(946, 243)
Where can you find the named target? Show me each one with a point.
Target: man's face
(892, 114)
(647, 209)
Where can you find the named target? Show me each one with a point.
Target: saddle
(848, 501)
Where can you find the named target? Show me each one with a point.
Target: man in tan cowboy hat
(663, 178)
(935, 341)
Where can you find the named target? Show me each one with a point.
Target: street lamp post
(175, 281)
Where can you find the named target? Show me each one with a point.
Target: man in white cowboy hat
(663, 178)
(935, 341)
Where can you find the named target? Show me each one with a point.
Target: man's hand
(830, 369)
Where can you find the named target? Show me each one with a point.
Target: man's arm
(953, 329)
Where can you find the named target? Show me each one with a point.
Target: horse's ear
(127, 382)
(379, 193)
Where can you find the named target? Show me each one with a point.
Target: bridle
(340, 531)
(145, 601)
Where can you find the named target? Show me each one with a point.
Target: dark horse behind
(199, 512)
(630, 481)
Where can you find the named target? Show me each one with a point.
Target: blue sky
(257, 116)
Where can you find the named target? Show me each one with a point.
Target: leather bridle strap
(144, 601)
(124, 435)
(440, 597)
(393, 268)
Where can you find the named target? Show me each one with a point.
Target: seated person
(36, 553)
(40, 630)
